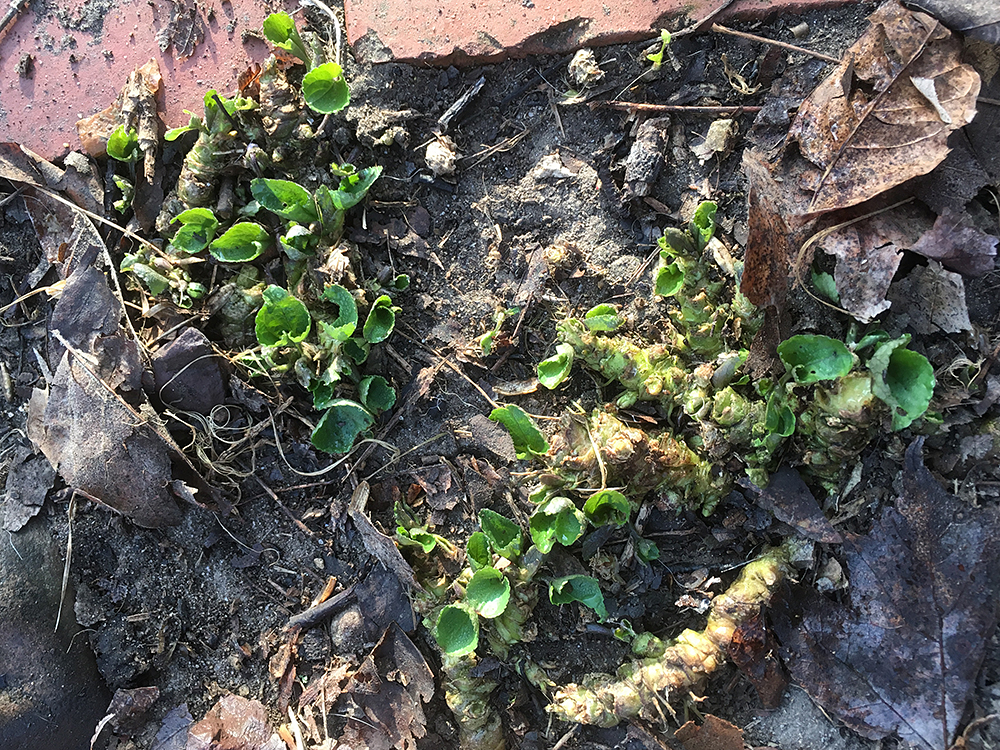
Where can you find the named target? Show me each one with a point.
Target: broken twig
(678, 108)
(316, 614)
(773, 42)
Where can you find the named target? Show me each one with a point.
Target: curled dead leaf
(869, 126)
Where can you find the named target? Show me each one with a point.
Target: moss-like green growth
(677, 666)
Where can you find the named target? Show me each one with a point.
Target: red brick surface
(79, 72)
(80, 62)
(445, 32)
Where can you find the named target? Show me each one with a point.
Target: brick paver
(54, 72)
(78, 66)
(446, 32)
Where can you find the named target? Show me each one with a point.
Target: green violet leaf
(285, 198)
(669, 280)
(555, 369)
(556, 520)
(503, 534)
(813, 357)
(376, 394)
(583, 589)
(381, 320)
(602, 318)
(340, 426)
(608, 507)
(478, 550)
(488, 592)
(457, 630)
(325, 89)
(283, 319)
(903, 379)
(528, 439)
(242, 242)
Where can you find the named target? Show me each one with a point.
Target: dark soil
(197, 609)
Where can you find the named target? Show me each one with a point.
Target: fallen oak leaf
(904, 655)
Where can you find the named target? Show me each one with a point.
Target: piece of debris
(583, 69)
(645, 160)
(235, 722)
(28, 482)
(187, 373)
(718, 140)
(551, 167)
(441, 156)
(932, 299)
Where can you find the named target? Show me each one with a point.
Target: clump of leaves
(314, 334)
(323, 87)
(324, 356)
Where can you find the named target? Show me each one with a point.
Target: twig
(70, 514)
(700, 25)
(315, 615)
(454, 367)
(569, 735)
(270, 493)
(678, 108)
(773, 42)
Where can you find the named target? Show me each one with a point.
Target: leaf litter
(904, 654)
(882, 117)
(902, 82)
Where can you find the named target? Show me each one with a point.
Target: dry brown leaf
(379, 546)
(93, 422)
(867, 126)
(390, 687)
(864, 130)
(234, 722)
(904, 654)
(714, 734)
(868, 253)
(932, 300)
(774, 236)
(865, 267)
(101, 447)
(184, 31)
(957, 245)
